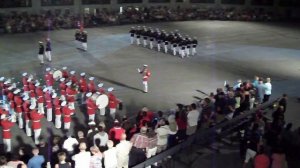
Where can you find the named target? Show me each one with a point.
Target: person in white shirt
(192, 120)
(123, 149)
(102, 136)
(69, 144)
(82, 159)
(110, 155)
(267, 90)
(162, 132)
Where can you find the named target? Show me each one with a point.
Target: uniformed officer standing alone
(41, 52)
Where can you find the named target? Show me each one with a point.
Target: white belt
(6, 130)
(37, 121)
(90, 108)
(48, 101)
(67, 115)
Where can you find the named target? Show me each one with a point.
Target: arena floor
(227, 51)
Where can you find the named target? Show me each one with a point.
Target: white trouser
(49, 114)
(182, 53)
(37, 134)
(41, 108)
(131, 40)
(91, 117)
(158, 47)
(145, 83)
(166, 48)
(67, 125)
(20, 120)
(174, 51)
(151, 44)
(27, 128)
(84, 46)
(102, 111)
(72, 105)
(187, 50)
(33, 101)
(7, 145)
(145, 42)
(193, 50)
(112, 112)
(41, 58)
(58, 121)
(48, 55)
(138, 42)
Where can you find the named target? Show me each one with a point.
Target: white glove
(139, 70)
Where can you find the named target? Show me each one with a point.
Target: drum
(102, 101)
(57, 74)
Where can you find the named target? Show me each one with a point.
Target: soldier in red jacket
(49, 79)
(65, 73)
(71, 95)
(146, 75)
(18, 107)
(91, 85)
(6, 125)
(91, 107)
(57, 111)
(67, 115)
(40, 98)
(113, 103)
(83, 87)
(48, 99)
(102, 91)
(63, 87)
(116, 132)
(10, 99)
(25, 83)
(73, 77)
(36, 123)
(26, 110)
(31, 87)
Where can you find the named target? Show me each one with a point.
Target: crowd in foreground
(127, 142)
(24, 22)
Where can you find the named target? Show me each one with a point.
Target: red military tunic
(91, 106)
(146, 74)
(10, 97)
(101, 90)
(56, 103)
(36, 119)
(65, 74)
(67, 114)
(71, 93)
(25, 84)
(26, 110)
(117, 132)
(91, 86)
(18, 103)
(40, 95)
(63, 88)
(6, 126)
(83, 85)
(113, 101)
(3, 111)
(48, 99)
(74, 79)
(49, 79)
(31, 86)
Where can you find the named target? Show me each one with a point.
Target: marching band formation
(32, 99)
(183, 45)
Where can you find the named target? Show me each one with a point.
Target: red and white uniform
(40, 99)
(91, 108)
(146, 75)
(6, 133)
(48, 99)
(101, 90)
(18, 109)
(83, 85)
(10, 98)
(36, 124)
(26, 111)
(25, 84)
(49, 80)
(57, 111)
(63, 87)
(112, 104)
(71, 94)
(91, 86)
(67, 117)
